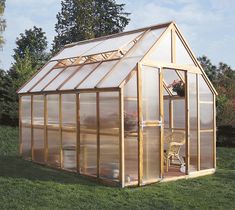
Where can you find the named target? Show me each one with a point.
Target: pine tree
(85, 19)
(2, 21)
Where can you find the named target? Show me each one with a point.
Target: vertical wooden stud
(121, 137)
(78, 132)
(45, 130)
(60, 131)
(98, 132)
(187, 133)
(20, 126)
(214, 130)
(140, 129)
(161, 113)
(32, 140)
(173, 48)
(198, 127)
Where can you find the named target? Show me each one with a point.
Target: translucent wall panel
(206, 116)
(206, 147)
(126, 65)
(192, 80)
(53, 110)
(112, 44)
(93, 79)
(69, 150)
(88, 134)
(26, 109)
(204, 90)
(151, 154)
(38, 110)
(48, 78)
(182, 56)
(26, 142)
(162, 52)
(68, 110)
(76, 50)
(109, 138)
(61, 78)
(150, 93)
(179, 113)
(79, 76)
(166, 113)
(38, 76)
(53, 139)
(130, 127)
(38, 144)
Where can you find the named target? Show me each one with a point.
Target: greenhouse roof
(103, 62)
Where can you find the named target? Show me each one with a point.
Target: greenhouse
(127, 109)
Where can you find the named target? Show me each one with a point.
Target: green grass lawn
(24, 185)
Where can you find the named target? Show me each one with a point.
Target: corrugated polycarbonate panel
(61, 78)
(126, 65)
(93, 79)
(38, 76)
(75, 51)
(112, 44)
(46, 80)
(79, 76)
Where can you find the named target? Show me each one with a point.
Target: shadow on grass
(16, 167)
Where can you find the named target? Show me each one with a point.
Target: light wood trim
(180, 76)
(121, 140)
(32, 139)
(214, 131)
(125, 56)
(206, 130)
(140, 120)
(98, 132)
(20, 126)
(60, 131)
(198, 127)
(78, 132)
(187, 121)
(171, 124)
(191, 69)
(45, 129)
(72, 91)
(173, 48)
(161, 113)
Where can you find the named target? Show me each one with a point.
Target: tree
(29, 55)
(35, 41)
(223, 78)
(2, 21)
(85, 19)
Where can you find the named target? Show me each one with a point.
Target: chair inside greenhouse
(127, 109)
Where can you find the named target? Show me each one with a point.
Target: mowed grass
(24, 185)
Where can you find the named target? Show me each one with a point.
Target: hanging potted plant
(178, 87)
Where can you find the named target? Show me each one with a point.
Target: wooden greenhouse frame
(103, 108)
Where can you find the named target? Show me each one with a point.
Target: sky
(208, 25)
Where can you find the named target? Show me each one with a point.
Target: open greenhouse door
(150, 124)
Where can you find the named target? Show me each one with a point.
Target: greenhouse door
(150, 126)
